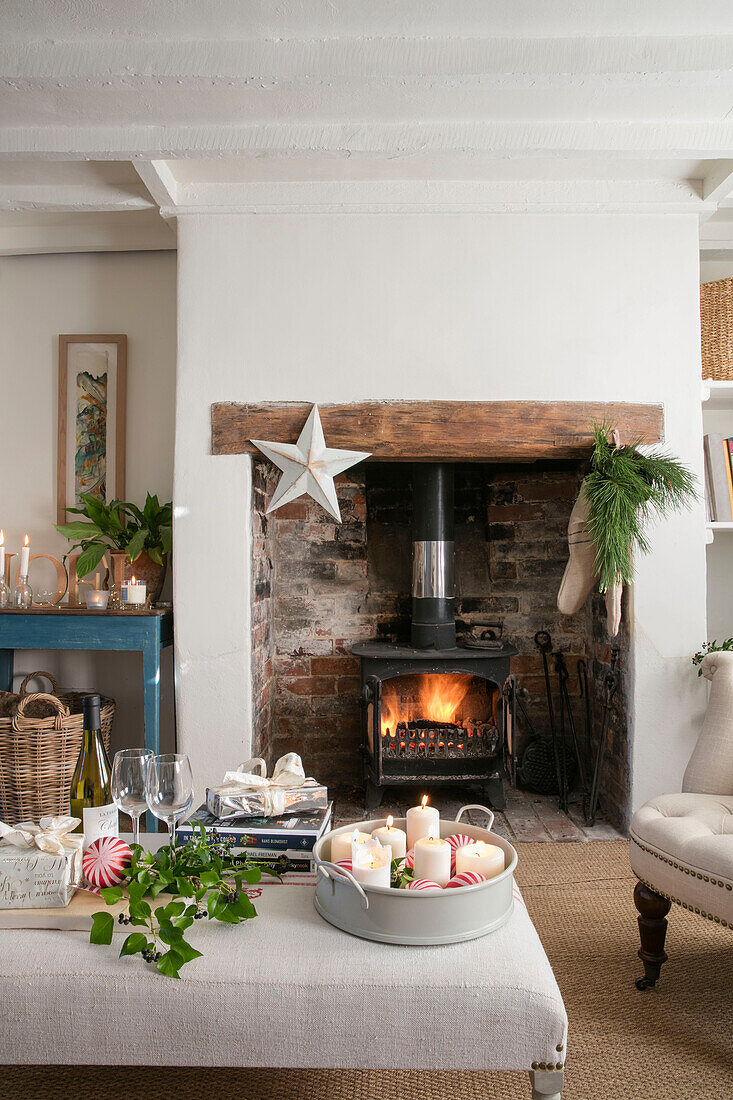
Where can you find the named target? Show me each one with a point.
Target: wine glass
(128, 784)
(169, 789)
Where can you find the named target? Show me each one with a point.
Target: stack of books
(289, 839)
(718, 478)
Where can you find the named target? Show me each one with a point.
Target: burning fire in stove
(443, 714)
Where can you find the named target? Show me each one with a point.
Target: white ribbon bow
(48, 836)
(288, 773)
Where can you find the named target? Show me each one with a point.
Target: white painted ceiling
(178, 106)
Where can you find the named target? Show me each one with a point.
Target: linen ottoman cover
(288, 990)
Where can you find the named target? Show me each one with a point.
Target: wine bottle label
(99, 821)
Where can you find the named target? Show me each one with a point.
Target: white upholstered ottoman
(289, 990)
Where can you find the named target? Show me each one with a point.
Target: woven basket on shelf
(716, 326)
(38, 754)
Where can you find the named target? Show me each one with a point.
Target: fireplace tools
(610, 687)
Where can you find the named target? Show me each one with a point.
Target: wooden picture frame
(95, 410)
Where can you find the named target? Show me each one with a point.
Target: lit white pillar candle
(396, 838)
(433, 859)
(341, 844)
(134, 593)
(24, 558)
(371, 863)
(487, 859)
(422, 820)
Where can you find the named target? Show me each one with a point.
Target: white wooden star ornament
(309, 466)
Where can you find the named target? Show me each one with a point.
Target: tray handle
(328, 869)
(476, 806)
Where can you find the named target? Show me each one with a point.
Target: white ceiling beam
(718, 183)
(439, 196)
(124, 63)
(73, 198)
(616, 140)
(160, 182)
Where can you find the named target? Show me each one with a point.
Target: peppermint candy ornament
(466, 878)
(457, 841)
(422, 884)
(346, 864)
(410, 858)
(105, 859)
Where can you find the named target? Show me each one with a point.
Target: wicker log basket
(40, 738)
(716, 324)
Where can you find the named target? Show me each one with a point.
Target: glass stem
(135, 828)
(172, 835)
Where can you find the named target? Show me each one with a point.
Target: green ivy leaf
(167, 912)
(184, 888)
(134, 943)
(102, 928)
(139, 911)
(170, 964)
(210, 878)
(112, 894)
(185, 952)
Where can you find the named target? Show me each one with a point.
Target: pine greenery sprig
(624, 489)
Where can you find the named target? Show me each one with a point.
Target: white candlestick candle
(487, 859)
(24, 558)
(422, 820)
(341, 844)
(371, 863)
(396, 838)
(433, 859)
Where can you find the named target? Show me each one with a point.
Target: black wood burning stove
(433, 711)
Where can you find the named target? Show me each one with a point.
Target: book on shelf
(719, 477)
(292, 832)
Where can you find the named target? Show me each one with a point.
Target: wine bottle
(91, 791)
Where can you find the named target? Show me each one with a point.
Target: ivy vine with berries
(206, 881)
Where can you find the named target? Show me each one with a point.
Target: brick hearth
(318, 588)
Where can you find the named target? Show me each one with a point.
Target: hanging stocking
(580, 573)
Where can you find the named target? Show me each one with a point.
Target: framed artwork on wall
(91, 422)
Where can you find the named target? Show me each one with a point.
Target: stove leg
(494, 793)
(374, 795)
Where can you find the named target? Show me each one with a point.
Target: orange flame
(26, 541)
(437, 699)
(390, 821)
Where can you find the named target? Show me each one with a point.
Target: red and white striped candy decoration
(466, 878)
(422, 884)
(457, 841)
(346, 864)
(104, 861)
(410, 858)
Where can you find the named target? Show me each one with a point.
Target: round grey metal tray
(413, 917)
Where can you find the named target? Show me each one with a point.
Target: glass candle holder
(4, 593)
(22, 594)
(134, 595)
(96, 600)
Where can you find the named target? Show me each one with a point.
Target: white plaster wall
(41, 296)
(329, 308)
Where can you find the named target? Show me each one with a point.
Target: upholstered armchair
(682, 844)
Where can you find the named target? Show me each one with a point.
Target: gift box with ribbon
(40, 865)
(247, 792)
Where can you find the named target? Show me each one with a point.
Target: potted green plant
(142, 536)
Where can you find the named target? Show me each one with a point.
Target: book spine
(719, 474)
(302, 841)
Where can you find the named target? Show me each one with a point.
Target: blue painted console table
(72, 628)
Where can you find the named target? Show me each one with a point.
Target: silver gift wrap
(32, 879)
(230, 800)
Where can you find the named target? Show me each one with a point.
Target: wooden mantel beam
(440, 431)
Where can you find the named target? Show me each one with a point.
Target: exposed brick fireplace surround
(319, 589)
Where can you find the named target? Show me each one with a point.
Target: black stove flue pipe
(433, 583)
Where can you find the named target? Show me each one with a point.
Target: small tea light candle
(487, 859)
(433, 859)
(96, 600)
(134, 593)
(396, 838)
(422, 821)
(371, 863)
(341, 844)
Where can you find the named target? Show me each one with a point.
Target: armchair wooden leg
(652, 909)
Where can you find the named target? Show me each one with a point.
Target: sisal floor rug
(674, 1042)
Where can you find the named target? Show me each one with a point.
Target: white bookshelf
(717, 416)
